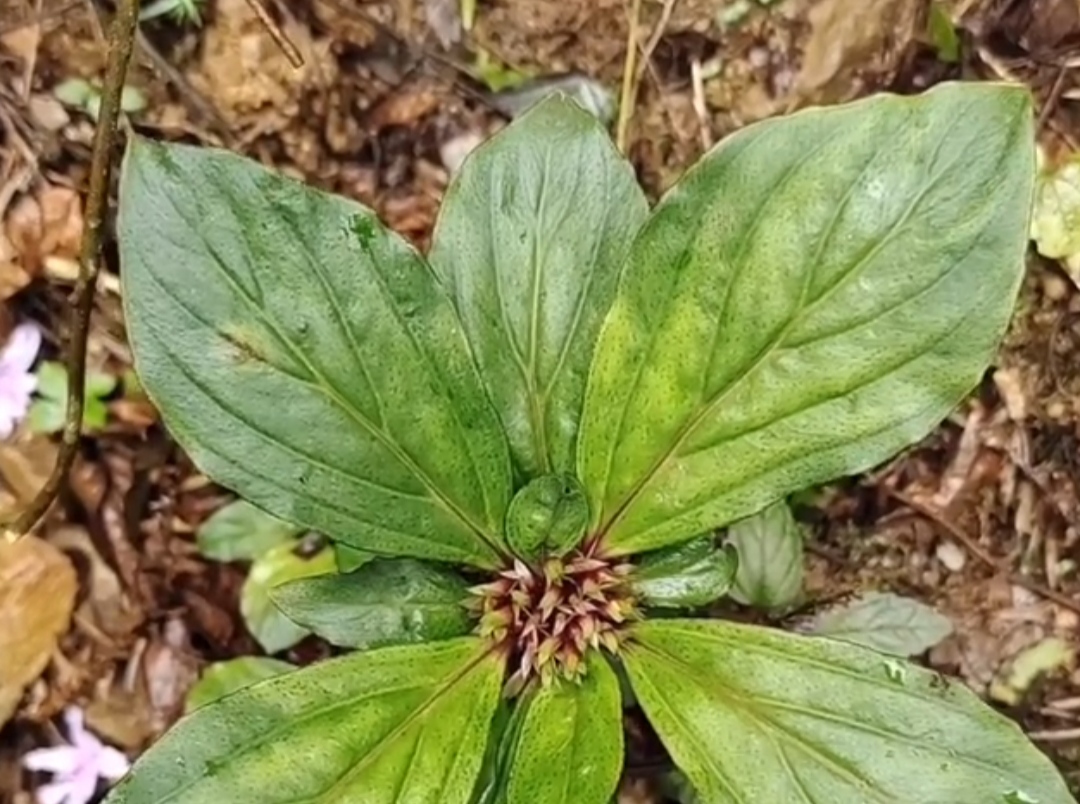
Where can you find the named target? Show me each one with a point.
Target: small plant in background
(278, 553)
(86, 97)
(519, 441)
(48, 409)
(181, 12)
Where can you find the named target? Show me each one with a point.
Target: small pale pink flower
(77, 766)
(17, 381)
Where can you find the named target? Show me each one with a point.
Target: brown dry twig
(121, 43)
(976, 550)
(632, 71)
(277, 34)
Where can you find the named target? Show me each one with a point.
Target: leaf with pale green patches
(286, 562)
(530, 239)
(238, 531)
(387, 601)
(570, 749)
(222, 678)
(818, 292)
(307, 357)
(382, 727)
(686, 575)
(755, 715)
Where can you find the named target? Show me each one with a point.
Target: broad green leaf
(307, 357)
(238, 531)
(754, 715)
(885, 622)
(281, 564)
(530, 239)
(816, 293)
(770, 548)
(349, 558)
(387, 601)
(570, 749)
(401, 724)
(686, 575)
(548, 516)
(222, 678)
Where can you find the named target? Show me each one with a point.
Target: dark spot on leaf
(363, 227)
(244, 349)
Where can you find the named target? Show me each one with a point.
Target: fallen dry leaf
(37, 594)
(39, 229)
(855, 46)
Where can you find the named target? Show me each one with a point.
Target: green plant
(239, 531)
(181, 12)
(80, 94)
(48, 409)
(567, 384)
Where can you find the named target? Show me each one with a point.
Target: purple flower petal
(83, 785)
(22, 348)
(61, 759)
(53, 793)
(112, 764)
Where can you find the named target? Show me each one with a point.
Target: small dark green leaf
(686, 575)
(502, 748)
(349, 558)
(530, 239)
(223, 678)
(307, 357)
(570, 750)
(885, 622)
(281, 564)
(770, 548)
(818, 292)
(387, 601)
(401, 724)
(239, 531)
(755, 715)
(548, 516)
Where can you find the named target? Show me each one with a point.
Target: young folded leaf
(530, 240)
(388, 601)
(770, 548)
(751, 715)
(571, 743)
(816, 293)
(303, 353)
(547, 517)
(396, 724)
(686, 575)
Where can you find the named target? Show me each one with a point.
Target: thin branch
(976, 550)
(121, 42)
(629, 85)
(277, 34)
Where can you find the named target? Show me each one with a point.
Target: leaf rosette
(523, 441)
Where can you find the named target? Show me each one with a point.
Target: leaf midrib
(690, 426)
(332, 392)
